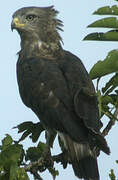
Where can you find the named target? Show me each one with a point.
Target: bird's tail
(86, 168)
(83, 161)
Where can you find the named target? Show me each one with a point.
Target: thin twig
(32, 168)
(36, 175)
(110, 123)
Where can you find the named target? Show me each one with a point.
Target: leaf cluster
(107, 95)
(30, 129)
(11, 155)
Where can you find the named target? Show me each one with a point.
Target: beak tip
(16, 24)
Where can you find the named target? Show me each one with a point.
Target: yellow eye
(31, 17)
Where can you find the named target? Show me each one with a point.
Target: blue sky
(76, 15)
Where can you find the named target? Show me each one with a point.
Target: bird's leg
(50, 137)
(47, 158)
(62, 157)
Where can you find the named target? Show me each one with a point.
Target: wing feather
(82, 91)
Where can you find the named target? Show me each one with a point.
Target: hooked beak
(16, 24)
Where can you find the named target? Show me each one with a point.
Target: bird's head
(37, 22)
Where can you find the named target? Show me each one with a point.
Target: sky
(76, 15)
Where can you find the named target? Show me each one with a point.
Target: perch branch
(32, 168)
(36, 175)
(40, 164)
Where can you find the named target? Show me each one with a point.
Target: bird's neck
(32, 47)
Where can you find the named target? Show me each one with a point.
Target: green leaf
(24, 126)
(114, 99)
(111, 85)
(53, 172)
(13, 171)
(36, 131)
(29, 128)
(6, 142)
(11, 155)
(112, 175)
(106, 100)
(4, 176)
(21, 174)
(17, 173)
(24, 135)
(108, 36)
(107, 10)
(108, 66)
(110, 22)
(34, 153)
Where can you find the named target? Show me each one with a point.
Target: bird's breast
(36, 84)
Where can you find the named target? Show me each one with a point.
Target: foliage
(107, 95)
(108, 66)
(112, 175)
(15, 162)
(29, 128)
(11, 155)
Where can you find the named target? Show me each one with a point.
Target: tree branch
(41, 164)
(35, 174)
(37, 163)
(34, 167)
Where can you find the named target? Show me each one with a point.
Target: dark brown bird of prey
(56, 86)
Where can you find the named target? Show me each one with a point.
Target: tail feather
(102, 144)
(86, 168)
(83, 160)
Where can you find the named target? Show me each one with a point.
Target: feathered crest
(53, 14)
(53, 23)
